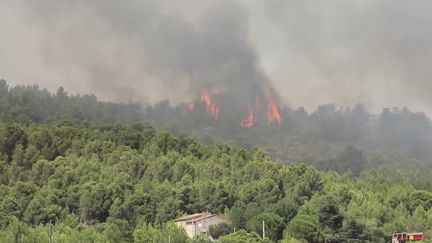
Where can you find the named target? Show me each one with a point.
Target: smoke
(377, 52)
(137, 50)
(312, 52)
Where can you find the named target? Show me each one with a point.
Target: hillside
(330, 138)
(215, 121)
(124, 183)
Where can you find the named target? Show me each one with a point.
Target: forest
(343, 139)
(75, 169)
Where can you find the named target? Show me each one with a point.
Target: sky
(376, 52)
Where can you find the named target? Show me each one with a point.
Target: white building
(199, 223)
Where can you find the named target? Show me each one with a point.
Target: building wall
(188, 228)
(200, 227)
(206, 223)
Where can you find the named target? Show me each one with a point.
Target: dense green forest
(124, 183)
(75, 169)
(330, 138)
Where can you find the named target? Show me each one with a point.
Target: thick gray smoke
(138, 49)
(377, 52)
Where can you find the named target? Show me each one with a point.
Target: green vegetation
(124, 183)
(106, 178)
(330, 138)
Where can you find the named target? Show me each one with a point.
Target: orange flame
(248, 121)
(211, 106)
(273, 114)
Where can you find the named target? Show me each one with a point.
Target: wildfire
(273, 114)
(263, 109)
(211, 106)
(249, 120)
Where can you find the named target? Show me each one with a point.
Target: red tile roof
(195, 217)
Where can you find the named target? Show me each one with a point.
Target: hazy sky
(341, 51)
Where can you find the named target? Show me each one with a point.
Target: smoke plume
(311, 52)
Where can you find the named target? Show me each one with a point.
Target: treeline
(331, 137)
(125, 183)
(31, 104)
